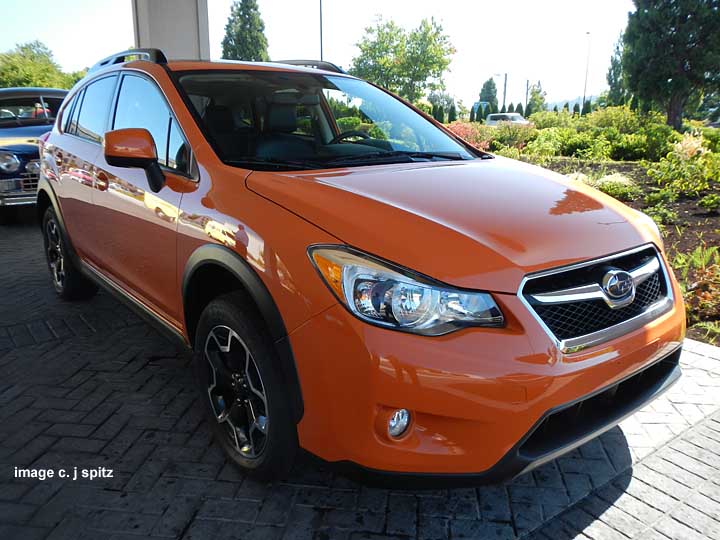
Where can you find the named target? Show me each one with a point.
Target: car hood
(22, 139)
(483, 224)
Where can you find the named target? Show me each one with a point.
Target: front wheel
(237, 374)
(68, 280)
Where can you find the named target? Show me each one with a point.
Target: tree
(407, 63)
(576, 108)
(32, 64)
(503, 109)
(441, 98)
(452, 113)
(511, 108)
(555, 109)
(519, 109)
(488, 93)
(440, 114)
(472, 114)
(586, 108)
(566, 107)
(245, 33)
(672, 49)
(616, 82)
(537, 99)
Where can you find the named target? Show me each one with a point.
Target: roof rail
(315, 64)
(151, 55)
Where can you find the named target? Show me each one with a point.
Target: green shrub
(551, 119)
(661, 214)
(348, 123)
(660, 139)
(507, 151)
(710, 202)
(622, 118)
(688, 169)
(711, 139)
(629, 147)
(549, 142)
(664, 195)
(512, 135)
(618, 186)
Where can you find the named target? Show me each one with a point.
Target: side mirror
(134, 147)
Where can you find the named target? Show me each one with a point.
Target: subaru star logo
(618, 284)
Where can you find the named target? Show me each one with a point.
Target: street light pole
(587, 68)
(504, 90)
(321, 32)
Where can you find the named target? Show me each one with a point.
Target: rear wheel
(236, 371)
(67, 279)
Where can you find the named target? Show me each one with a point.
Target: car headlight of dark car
(9, 162)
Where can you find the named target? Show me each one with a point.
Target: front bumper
(23, 199)
(478, 396)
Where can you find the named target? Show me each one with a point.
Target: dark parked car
(25, 115)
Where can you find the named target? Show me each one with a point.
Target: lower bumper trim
(22, 200)
(559, 431)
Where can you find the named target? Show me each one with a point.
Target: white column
(178, 27)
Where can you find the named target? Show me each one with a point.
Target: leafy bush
(711, 139)
(629, 147)
(700, 281)
(349, 123)
(661, 214)
(710, 202)
(660, 138)
(552, 119)
(618, 186)
(688, 169)
(513, 135)
(622, 118)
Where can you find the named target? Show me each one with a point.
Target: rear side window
(92, 119)
(141, 105)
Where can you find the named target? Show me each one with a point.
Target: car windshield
(272, 119)
(34, 110)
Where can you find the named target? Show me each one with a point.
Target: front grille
(574, 319)
(579, 318)
(29, 181)
(595, 413)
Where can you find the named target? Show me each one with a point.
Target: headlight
(9, 162)
(380, 293)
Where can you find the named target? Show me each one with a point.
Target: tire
(68, 280)
(262, 445)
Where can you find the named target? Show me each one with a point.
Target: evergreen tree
(615, 80)
(441, 114)
(519, 109)
(555, 109)
(587, 107)
(488, 93)
(452, 113)
(434, 112)
(245, 33)
(503, 109)
(670, 51)
(511, 108)
(576, 108)
(566, 107)
(472, 114)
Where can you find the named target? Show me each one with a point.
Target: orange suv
(354, 279)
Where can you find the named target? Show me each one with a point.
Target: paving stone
(89, 384)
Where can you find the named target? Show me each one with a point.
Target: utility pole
(587, 68)
(504, 91)
(527, 91)
(321, 33)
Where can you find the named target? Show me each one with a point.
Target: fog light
(398, 423)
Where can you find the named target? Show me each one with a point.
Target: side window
(73, 113)
(141, 105)
(92, 119)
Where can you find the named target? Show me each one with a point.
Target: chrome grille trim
(588, 292)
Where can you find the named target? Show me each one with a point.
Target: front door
(138, 227)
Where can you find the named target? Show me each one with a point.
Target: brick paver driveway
(91, 386)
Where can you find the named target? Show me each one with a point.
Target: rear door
(138, 227)
(74, 153)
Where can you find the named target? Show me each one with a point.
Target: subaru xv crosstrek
(354, 279)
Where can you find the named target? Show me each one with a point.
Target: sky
(528, 40)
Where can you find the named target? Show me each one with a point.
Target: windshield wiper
(273, 163)
(410, 155)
